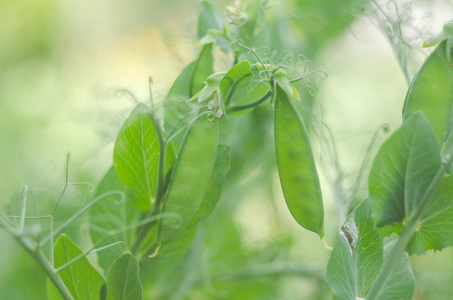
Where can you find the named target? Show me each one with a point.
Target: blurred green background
(61, 63)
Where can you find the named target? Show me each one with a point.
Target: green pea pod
(431, 91)
(191, 175)
(296, 166)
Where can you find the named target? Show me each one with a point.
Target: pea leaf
(357, 256)
(435, 230)
(236, 85)
(178, 113)
(81, 279)
(186, 189)
(136, 156)
(400, 284)
(431, 91)
(296, 166)
(110, 214)
(123, 282)
(357, 259)
(402, 171)
(214, 191)
(208, 19)
(166, 257)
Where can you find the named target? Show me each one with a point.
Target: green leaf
(402, 171)
(110, 214)
(178, 113)
(81, 279)
(435, 230)
(123, 282)
(357, 256)
(214, 191)
(136, 156)
(187, 187)
(431, 91)
(296, 166)
(236, 85)
(357, 259)
(166, 257)
(400, 284)
(208, 19)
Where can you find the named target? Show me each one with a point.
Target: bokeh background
(62, 63)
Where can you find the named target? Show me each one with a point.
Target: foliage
(175, 162)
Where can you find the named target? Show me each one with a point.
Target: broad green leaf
(237, 86)
(191, 175)
(123, 282)
(402, 171)
(431, 91)
(81, 279)
(214, 191)
(241, 72)
(111, 214)
(435, 230)
(357, 256)
(400, 284)
(178, 113)
(357, 259)
(208, 19)
(447, 152)
(136, 156)
(166, 257)
(296, 166)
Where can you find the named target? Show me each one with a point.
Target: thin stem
(24, 210)
(84, 254)
(81, 211)
(46, 266)
(65, 185)
(155, 208)
(251, 104)
(397, 51)
(408, 230)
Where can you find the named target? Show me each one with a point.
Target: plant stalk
(46, 266)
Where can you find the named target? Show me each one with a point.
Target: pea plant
(171, 159)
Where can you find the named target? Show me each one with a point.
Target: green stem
(408, 230)
(46, 266)
(155, 208)
(251, 104)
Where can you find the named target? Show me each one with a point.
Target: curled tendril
(265, 73)
(248, 86)
(312, 88)
(125, 93)
(265, 50)
(83, 183)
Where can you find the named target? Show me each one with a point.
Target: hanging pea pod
(191, 175)
(431, 91)
(296, 166)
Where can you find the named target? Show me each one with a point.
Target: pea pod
(190, 177)
(296, 166)
(431, 91)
